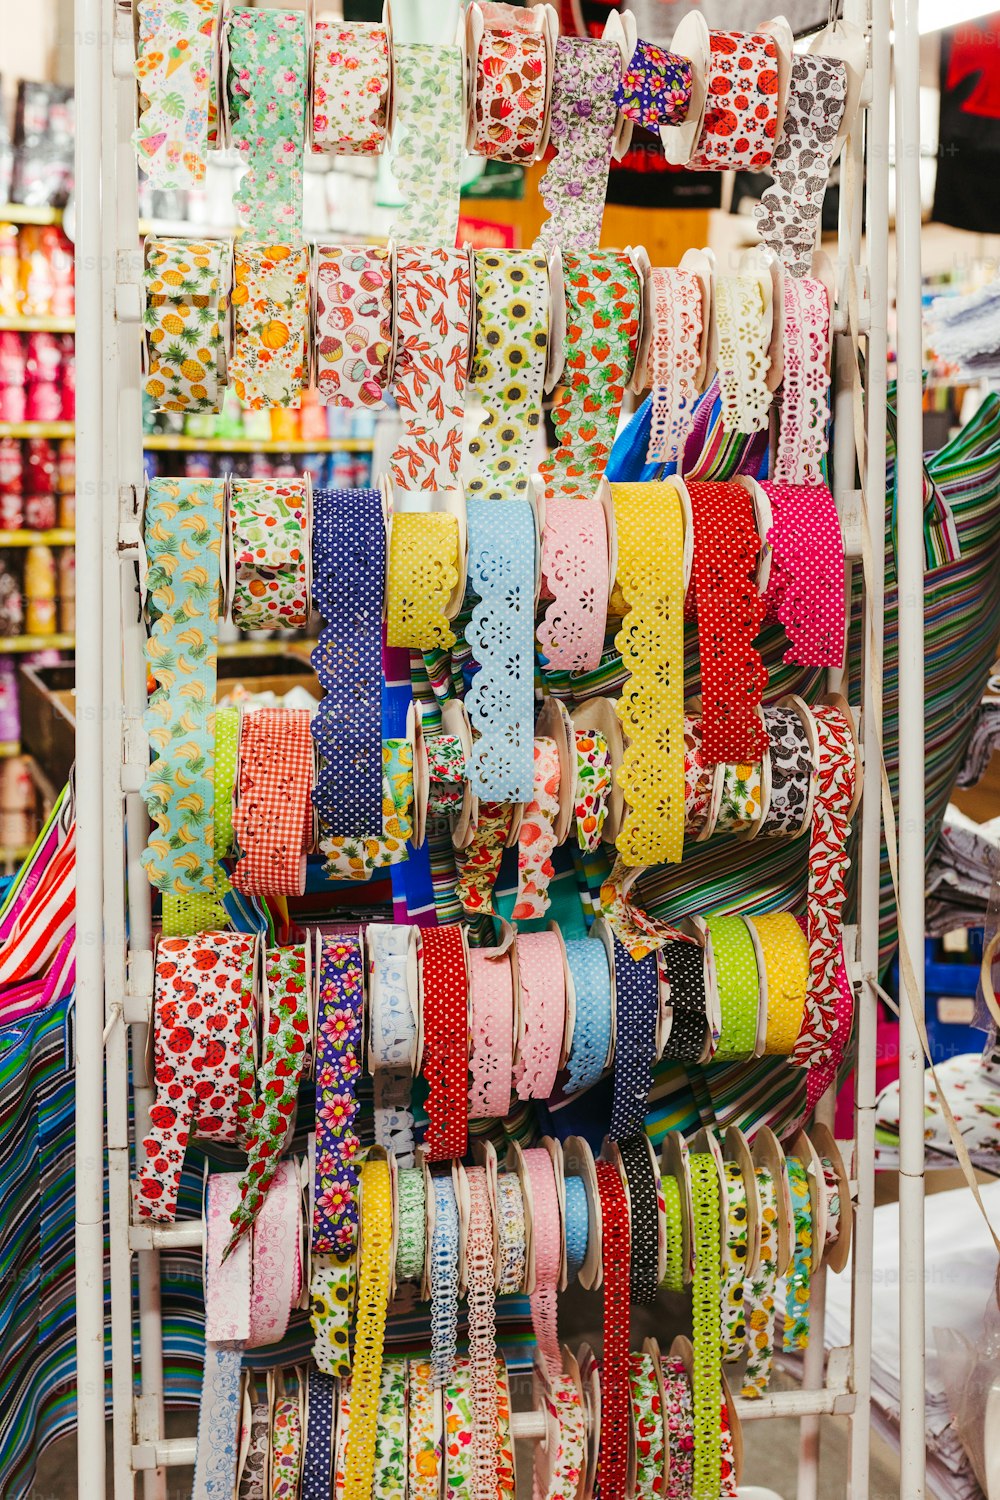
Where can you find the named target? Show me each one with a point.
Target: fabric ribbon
(566, 1446)
(186, 309)
(269, 527)
(227, 1328)
(536, 839)
(317, 1459)
(186, 915)
(511, 1234)
(273, 817)
(805, 589)
(459, 1421)
(411, 1224)
(271, 315)
(590, 974)
(331, 1299)
(373, 1303)
(798, 1280)
(178, 110)
(428, 142)
(286, 1449)
(673, 1219)
(679, 1422)
(638, 932)
(655, 88)
(791, 766)
(353, 338)
(254, 1468)
(643, 1218)
(740, 126)
(277, 1258)
(350, 87)
(616, 1258)
(582, 128)
(699, 779)
(508, 369)
(743, 357)
(637, 1007)
(423, 572)
(509, 87)
(183, 539)
(706, 1296)
(759, 1294)
(482, 1335)
(785, 952)
(647, 1426)
(267, 107)
(348, 584)
(738, 987)
(426, 1428)
(674, 361)
(542, 1013)
(684, 966)
(491, 993)
(577, 1226)
(575, 575)
(392, 1039)
(446, 1042)
(734, 1260)
(390, 1443)
(339, 1025)
(805, 388)
(444, 1279)
(547, 1242)
(592, 788)
(349, 858)
(433, 300)
(739, 804)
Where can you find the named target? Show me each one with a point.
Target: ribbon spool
(186, 319)
(353, 345)
(739, 83)
(351, 70)
(510, 80)
(270, 553)
(271, 316)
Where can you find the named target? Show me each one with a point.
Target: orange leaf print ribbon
(433, 299)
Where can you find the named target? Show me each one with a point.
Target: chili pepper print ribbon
(582, 128)
(353, 323)
(350, 80)
(271, 306)
(183, 538)
(433, 301)
(177, 110)
(186, 308)
(269, 521)
(479, 865)
(428, 142)
(267, 104)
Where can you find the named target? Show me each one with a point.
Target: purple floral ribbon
(584, 114)
(338, 1066)
(655, 88)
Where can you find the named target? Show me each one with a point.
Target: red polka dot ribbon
(615, 1403)
(740, 126)
(446, 1042)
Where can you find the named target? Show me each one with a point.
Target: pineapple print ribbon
(271, 304)
(349, 858)
(178, 110)
(267, 105)
(186, 304)
(183, 536)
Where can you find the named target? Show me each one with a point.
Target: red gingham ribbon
(273, 817)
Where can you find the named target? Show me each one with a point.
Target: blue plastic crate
(950, 982)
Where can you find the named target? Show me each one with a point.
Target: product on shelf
(44, 131)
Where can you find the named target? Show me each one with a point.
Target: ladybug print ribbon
(740, 126)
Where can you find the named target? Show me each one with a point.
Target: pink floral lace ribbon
(674, 362)
(491, 990)
(575, 575)
(805, 587)
(805, 404)
(541, 976)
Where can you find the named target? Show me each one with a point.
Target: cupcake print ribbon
(508, 116)
(267, 106)
(353, 323)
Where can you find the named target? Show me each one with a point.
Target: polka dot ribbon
(785, 954)
(684, 966)
(491, 993)
(805, 386)
(805, 590)
(644, 1214)
(423, 571)
(616, 1258)
(706, 1299)
(740, 125)
(446, 1042)
(637, 1005)
(738, 987)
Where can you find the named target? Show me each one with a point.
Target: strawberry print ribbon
(269, 525)
(350, 78)
(740, 126)
(271, 313)
(582, 128)
(433, 300)
(286, 1056)
(338, 1068)
(178, 112)
(592, 789)
(353, 323)
(273, 817)
(536, 837)
(267, 106)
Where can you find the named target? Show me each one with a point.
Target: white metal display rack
(115, 962)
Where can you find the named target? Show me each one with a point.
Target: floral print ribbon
(423, 572)
(759, 1294)
(186, 310)
(536, 839)
(350, 86)
(647, 1426)
(566, 1446)
(734, 1260)
(655, 88)
(273, 817)
(267, 107)
(353, 323)
(425, 1451)
(511, 70)
(177, 108)
(805, 387)
(796, 1335)
(480, 865)
(183, 539)
(582, 128)
(805, 589)
(447, 773)
(271, 306)
(338, 1068)
(286, 1055)
(286, 1449)
(433, 307)
(679, 1420)
(428, 142)
(349, 858)
(269, 526)
(741, 118)
(392, 1039)
(508, 369)
(592, 789)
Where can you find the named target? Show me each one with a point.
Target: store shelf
(56, 538)
(15, 856)
(158, 442)
(25, 213)
(37, 325)
(237, 649)
(37, 429)
(9, 748)
(11, 643)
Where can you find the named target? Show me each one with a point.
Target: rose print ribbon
(508, 369)
(348, 584)
(510, 82)
(267, 100)
(271, 311)
(564, 1452)
(269, 525)
(186, 310)
(582, 128)
(805, 589)
(674, 361)
(286, 1055)
(679, 1423)
(338, 1068)
(592, 788)
(740, 125)
(178, 113)
(273, 817)
(350, 86)
(428, 142)
(433, 302)
(655, 88)
(353, 323)
(204, 1020)
(183, 540)
(536, 837)
(447, 774)
(805, 389)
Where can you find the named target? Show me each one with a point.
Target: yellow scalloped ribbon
(423, 573)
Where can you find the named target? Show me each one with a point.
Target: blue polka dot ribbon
(317, 1461)
(348, 585)
(637, 1001)
(591, 975)
(577, 1226)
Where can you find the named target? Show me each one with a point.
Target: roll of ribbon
(339, 1022)
(785, 952)
(699, 780)
(788, 215)
(271, 314)
(730, 612)
(277, 1257)
(267, 108)
(743, 339)
(216, 1461)
(536, 839)
(177, 108)
(459, 1421)
(350, 858)
(351, 75)
(433, 301)
(791, 767)
(482, 1335)
(342, 1439)
(542, 1013)
(643, 1218)
(647, 1426)
(546, 1232)
(828, 863)
(273, 817)
(373, 1302)
(561, 1460)
(508, 369)
(227, 1283)
(740, 126)
(679, 1422)
(655, 88)
(331, 1298)
(500, 634)
(805, 589)
(269, 528)
(423, 572)
(684, 966)
(738, 987)
(582, 128)
(673, 1278)
(317, 1460)
(650, 586)
(428, 142)
(426, 1423)
(674, 361)
(286, 1055)
(735, 1246)
(446, 1042)
(831, 1187)
(510, 82)
(348, 583)
(444, 1279)
(480, 865)
(447, 773)
(805, 389)
(739, 804)
(759, 1294)
(706, 1295)
(616, 1260)
(491, 993)
(183, 539)
(412, 1209)
(353, 338)
(203, 1017)
(590, 974)
(727, 1456)
(577, 1229)
(390, 1442)
(186, 308)
(575, 573)
(592, 789)
(511, 1232)
(392, 1038)
(254, 1467)
(798, 1281)
(637, 1006)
